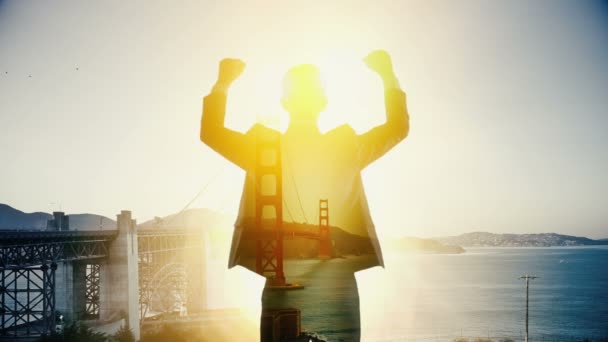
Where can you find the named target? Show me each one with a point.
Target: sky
(100, 105)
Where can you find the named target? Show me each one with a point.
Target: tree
(75, 332)
(123, 334)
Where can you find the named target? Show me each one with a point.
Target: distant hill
(484, 239)
(91, 222)
(343, 243)
(412, 244)
(220, 226)
(14, 219)
(198, 218)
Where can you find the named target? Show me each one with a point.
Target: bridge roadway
(253, 234)
(21, 249)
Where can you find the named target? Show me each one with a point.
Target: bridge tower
(119, 290)
(324, 233)
(269, 209)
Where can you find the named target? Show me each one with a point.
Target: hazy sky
(509, 126)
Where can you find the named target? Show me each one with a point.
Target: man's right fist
(230, 70)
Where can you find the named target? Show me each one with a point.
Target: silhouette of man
(315, 166)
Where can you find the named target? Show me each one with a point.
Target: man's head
(303, 93)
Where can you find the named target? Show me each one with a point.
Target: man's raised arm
(380, 139)
(234, 146)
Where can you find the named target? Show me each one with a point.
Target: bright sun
(355, 94)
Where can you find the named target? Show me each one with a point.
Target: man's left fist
(230, 70)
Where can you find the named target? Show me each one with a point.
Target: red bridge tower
(269, 210)
(324, 234)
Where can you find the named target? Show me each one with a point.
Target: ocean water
(440, 297)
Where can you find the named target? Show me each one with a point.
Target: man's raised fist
(380, 62)
(230, 70)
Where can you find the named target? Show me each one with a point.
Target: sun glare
(355, 94)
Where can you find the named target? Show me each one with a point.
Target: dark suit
(315, 166)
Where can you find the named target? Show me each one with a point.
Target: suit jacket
(314, 166)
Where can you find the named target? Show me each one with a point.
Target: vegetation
(75, 332)
(123, 334)
(78, 332)
(482, 339)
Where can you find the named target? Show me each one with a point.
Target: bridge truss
(27, 301)
(19, 250)
(164, 274)
(28, 263)
(92, 290)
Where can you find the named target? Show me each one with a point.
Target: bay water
(477, 294)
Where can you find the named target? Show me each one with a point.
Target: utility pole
(527, 278)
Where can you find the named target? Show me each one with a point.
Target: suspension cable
(198, 194)
(288, 211)
(293, 181)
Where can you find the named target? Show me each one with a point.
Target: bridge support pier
(70, 290)
(119, 290)
(197, 277)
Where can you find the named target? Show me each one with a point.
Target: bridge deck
(20, 248)
(19, 237)
(253, 234)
